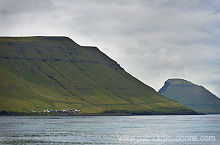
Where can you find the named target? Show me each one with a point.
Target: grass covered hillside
(193, 96)
(56, 73)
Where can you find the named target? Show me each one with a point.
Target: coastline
(7, 113)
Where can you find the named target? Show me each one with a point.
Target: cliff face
(57, 73)
(193, 96)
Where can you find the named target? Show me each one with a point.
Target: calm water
(164, 129)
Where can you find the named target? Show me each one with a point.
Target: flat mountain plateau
(38, 73)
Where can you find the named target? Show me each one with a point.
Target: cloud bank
(152, 40)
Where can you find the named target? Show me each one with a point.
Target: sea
(111, 130)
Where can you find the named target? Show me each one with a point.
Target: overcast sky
(153, 40)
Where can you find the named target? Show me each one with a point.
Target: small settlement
(61, 111)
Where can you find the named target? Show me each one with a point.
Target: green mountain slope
(193, 96)
(57, 73)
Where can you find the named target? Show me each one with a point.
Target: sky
(153, 40)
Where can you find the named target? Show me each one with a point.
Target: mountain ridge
(57, 73)
(192, 95)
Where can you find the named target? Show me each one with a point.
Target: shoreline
(7, 113)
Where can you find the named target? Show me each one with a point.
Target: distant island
(193, 96)
(55, 73)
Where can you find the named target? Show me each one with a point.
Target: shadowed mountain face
(57, 73)
(193, 96)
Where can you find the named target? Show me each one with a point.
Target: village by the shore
(61, 111)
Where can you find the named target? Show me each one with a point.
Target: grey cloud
(22, 6)
(153, 40)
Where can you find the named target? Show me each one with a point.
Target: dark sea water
(155, 130)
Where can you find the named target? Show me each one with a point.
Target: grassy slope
(56, 73)
(194, 96)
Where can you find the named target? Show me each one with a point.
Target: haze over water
(164, 129)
